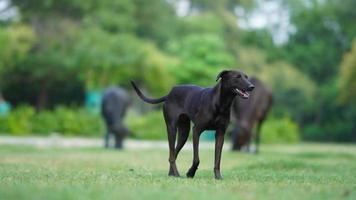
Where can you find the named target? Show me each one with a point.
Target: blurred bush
(45, 123)
(336, 131)
(280, 131)
(19, 121)
(149, 126)
(23, 120)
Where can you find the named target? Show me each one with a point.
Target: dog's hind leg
(196, 134)
(183, 133)
(171, 132)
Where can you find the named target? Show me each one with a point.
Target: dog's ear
(221, 74)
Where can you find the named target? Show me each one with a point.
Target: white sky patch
(6, 12)
(269, 14)
(181, 6)
(3, 4)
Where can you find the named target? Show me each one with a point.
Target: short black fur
(207, 108)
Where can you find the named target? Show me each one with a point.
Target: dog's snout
(251, 87)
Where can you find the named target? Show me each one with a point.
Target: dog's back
(189, 99)
(182, 92)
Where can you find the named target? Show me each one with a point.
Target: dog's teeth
(241, 93)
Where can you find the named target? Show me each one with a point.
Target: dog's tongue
(243, 94)
(246, 95)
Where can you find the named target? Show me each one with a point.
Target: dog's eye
(246, 76)
(238, 76)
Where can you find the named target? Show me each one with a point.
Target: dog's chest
(220, 120)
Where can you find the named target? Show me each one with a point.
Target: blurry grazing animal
(207, 108)
(113, 109)
(250, 112)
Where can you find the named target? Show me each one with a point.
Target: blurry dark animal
(113, 109)
(207, 108)
(248, 113)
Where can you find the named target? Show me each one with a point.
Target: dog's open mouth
(242, 93)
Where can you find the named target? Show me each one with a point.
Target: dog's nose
(251, 87)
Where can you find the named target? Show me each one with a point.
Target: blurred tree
(337, 119)
(201, 56)
(69, 8)
(109, 52)
(204, 23)
(48, 58)
(107, 58)
(292, 99)
(323, 33)
(112, 16)
(15, 43)
(157, 70)
(54, 24)
(156, 20)
(228, 5)
(224, 11)
(348, 76)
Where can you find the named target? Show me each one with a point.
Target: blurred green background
(56, 56)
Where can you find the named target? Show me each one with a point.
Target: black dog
(113, 109)
(207, 108)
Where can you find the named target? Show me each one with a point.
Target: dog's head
(237, 82)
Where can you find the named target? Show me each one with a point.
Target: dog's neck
(223, 98)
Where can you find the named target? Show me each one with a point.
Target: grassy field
(306, 171)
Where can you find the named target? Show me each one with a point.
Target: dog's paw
(218, 175)
(191, 173)
(173, 172)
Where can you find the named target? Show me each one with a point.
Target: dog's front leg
(219, 141)
(196, 134)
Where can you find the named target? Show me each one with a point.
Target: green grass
(306, 171)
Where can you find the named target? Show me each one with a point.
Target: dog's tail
(146, 99)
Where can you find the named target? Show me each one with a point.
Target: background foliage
(52, 53)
